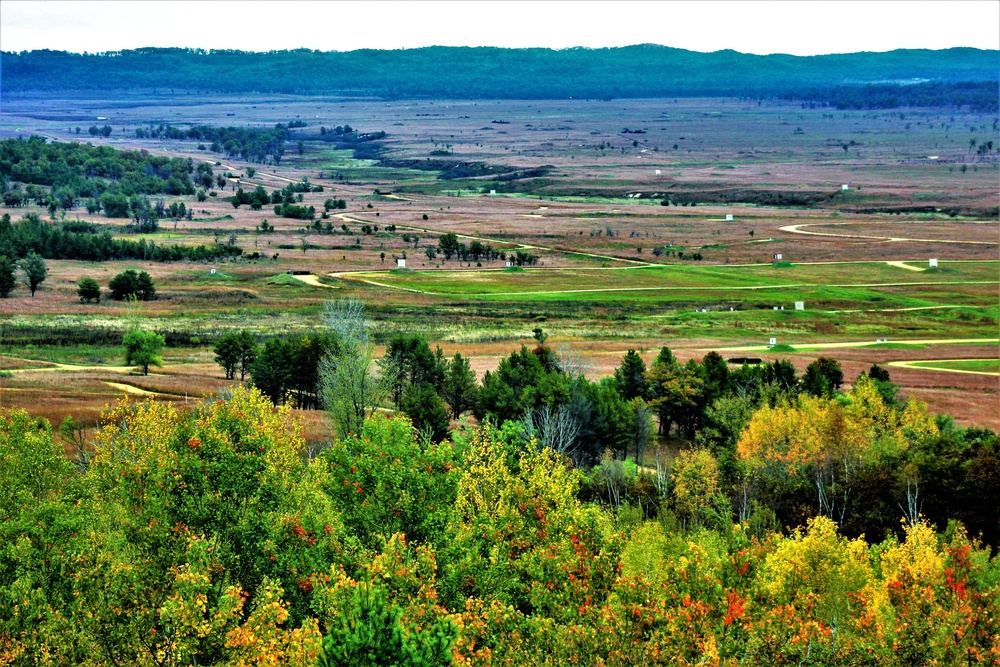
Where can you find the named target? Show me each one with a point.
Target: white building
(932, 264)
(400, 263)
(844, 187)
(800, 305)
(729, 217)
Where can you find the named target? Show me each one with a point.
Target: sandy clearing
(805, 347)
(129, 389)
(904, 265)
(313, 280)
(55, 367)
(915, 366)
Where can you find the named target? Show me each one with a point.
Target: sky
(784, 26)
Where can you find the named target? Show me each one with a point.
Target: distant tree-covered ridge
(493, 73)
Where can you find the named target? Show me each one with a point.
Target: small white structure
(493, 193)
(729, 217)
(844, 187)
(508, 264)
(213, 272)
(777, 255)
(932, 264)
(658, 172)
(401, 263)
(776, 308)
(800, 305)
(772, 342)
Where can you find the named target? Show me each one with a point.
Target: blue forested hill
(486, 72)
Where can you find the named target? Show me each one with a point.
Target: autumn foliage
(210, 537)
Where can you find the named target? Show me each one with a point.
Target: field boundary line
(806, 347)
(797, 229)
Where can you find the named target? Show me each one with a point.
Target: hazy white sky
(795, 27)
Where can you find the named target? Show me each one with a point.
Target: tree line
(899, 455)
(641, 71)
(978, 96)
(68, 240)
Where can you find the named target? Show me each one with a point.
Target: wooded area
(493, 73)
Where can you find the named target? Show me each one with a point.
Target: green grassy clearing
(977, 365)
(796, 279)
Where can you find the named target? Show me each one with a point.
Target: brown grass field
(915, 192)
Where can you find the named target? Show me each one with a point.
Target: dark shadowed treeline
(979, 96)
(492, 73)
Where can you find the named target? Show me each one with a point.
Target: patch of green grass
(781, 347)
(783, 265)
(977, 365)
(284, 279)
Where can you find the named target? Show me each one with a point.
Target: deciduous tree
(33, 270)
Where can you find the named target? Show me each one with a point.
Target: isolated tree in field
(449, 245)
(33, 270)
(459, 389)
(236, 351)
(128, 284)
(142, 348)
(88, 290)
(8, 278)
(348, 384)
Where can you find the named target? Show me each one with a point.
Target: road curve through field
(798, 229)
(913, 366)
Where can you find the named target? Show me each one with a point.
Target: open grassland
(797, 280)
(592, 214)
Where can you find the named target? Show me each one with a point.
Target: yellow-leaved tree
(831, 441)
